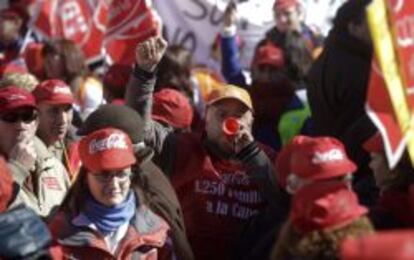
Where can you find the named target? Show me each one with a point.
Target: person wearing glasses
(105, 215)
(42, 179)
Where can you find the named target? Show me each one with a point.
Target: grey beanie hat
(116, 116)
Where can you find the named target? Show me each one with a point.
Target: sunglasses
(26, 116)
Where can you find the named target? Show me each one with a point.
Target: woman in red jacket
(104, 216)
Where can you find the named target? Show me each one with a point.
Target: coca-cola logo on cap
(113, 141)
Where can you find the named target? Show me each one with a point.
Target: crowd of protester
(164, 159)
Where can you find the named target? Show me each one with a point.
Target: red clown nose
(231, 126)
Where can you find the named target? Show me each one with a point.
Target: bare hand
(230, 15)
(24, 152)
(150, 52)
(243, 139)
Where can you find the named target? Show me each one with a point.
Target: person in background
(299, 43)
(337, 101)
(395, 206)
(279, 112)
(322, 215)
(105, 216)
(64, 60)
(54, 103)
(221, 180)
(42, 179)
(174, 71)
(10, 35)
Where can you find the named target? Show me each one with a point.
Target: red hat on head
(12, 98)
(53, 92)
(283, 160)
(6, 185)
(390, 245)
(284, 4)
(269, 54)
(106, 149)
(324, 205)
(173, 108)
(321, 158)
(374, 144)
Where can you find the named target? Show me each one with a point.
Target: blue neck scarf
(109, 219)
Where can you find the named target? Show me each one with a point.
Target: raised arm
(140, 88)
(230, 62)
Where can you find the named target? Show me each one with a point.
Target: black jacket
(337, 90)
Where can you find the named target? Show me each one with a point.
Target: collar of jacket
(143, 154)
(146, 228)
(344, 40)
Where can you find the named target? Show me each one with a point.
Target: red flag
(380, 110)
(129, 22)
(82, 21)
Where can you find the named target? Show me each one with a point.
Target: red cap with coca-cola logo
(12, 98)
(321, 158)
(323, 205)
(107, 149)
(53, 92)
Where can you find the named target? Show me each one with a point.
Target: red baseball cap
(323, 205)
(283, 159)
(284, 4)
(321, 158)
(269, 54)
(53, 92)
(6, 185)
(106, 149)
(12, 98)
(389, 245)
(374, 144)
(172, 107)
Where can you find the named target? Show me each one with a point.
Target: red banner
(401, 16)
(82, 21)
(380, 110)
(98, 27)
(130, 22)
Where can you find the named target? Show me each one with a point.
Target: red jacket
(145, 239)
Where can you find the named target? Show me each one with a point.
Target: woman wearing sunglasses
(42, 179)
(104, 215)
